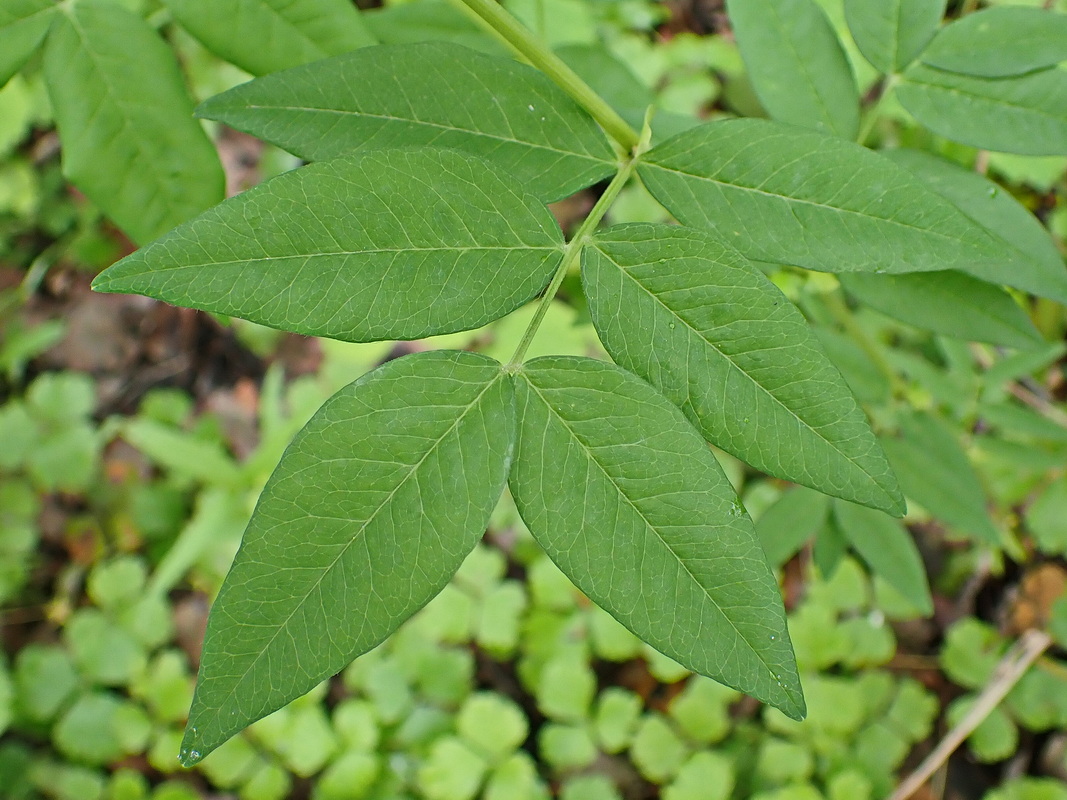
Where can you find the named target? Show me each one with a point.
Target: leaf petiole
(875, 111)
(574, 247)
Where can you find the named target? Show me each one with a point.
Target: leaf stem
(495, 17)
(873, 113)
(574, 249)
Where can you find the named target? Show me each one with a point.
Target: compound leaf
(370, 512)
(724, 344)
(23, 26)
(126, 120)
(262, 36)
(629, 501)
(888, 549)
(950, 303)
(934, 471)
(1000, 42)
(426, 94)
(1030, 110)
(891, 33)
(1031, 261)
(788, 196)
(796, 64)
(393, 244)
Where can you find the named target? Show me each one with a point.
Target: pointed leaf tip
(369, 514)
(628, 500)
(722, 343)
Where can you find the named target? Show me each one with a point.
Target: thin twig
(1008, 672)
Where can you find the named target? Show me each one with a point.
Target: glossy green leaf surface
(23, 25)
(999, 42)
(1030, 111)
(623, 494)
(887, 547)
(947, 302)
(787, 196)
(130, 142)
(370, 512)
(262, 36)
(934, 471)
(426, 94)
(891, 33)
(395, 244)
(796, 64)
(725, 345)
(1031, 261)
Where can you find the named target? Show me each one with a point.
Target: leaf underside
(891, 33)
(1031, 261)
(1000, 42)
(888, 549)
(950, 303)
(396, 244)
(23, 25)
(370, 512)
(783, 195)
(629, 501)
(796, 64)
(130, 142)
(1030, 111)
(725, 345)
(426, 94)
(934, 471)
(262, 36)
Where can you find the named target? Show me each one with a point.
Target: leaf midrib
(331, 254)
(603, 470)
(438, 125)
(996, 100)
(737, 367)
(802, 65)
(802, 201)
(358, 533)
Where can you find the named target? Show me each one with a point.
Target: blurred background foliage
(135, 437)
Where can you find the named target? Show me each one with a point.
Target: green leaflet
(370, 512)
(725, 345)
(788, 196)
(796, 64)
(263, 36)
(23, 25)
(393, 244)
(888, 549)
(1030, 112)
(891, 33)
(630, 503)
(934, 471)
(830, 547)
(1031, 261)
(947, 302)
(798, 515)
(999, 42)
(430, 21)
(126, 120)
(426, 94)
